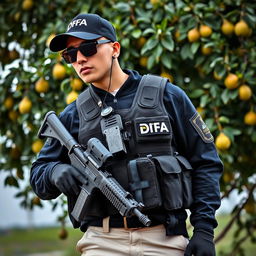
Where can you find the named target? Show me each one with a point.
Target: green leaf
(150, 44)
(136, 33)
(208, 85)
(20, 194)
(231, 132)
(158, 16)
(214, 91)
(65, 85)
(199, 60)
(204, 100)
(233, 94)
(225, 96)
(122, 7)
(251, 19)
(194, 47)
(215, 61)
(151, 61)
(180, 4)
(186, 52)
(196, 93)
(166, 60)
(158, 51)
(11, 181)
(210, 123)
(126, 42)
(148, 31)
(212, 21)
(224, 120)
(170, 9)
(164, 24)
(168, 43)
(220, 70)
(143, 16)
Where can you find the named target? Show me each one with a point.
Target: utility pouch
(143, 182)
(175, 181)
(170, 181)
(186, 181)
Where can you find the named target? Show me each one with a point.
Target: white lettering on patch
(78, 22)
(154, 127)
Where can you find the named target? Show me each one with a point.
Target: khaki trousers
(148, 241)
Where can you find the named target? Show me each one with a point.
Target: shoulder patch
(201, 128)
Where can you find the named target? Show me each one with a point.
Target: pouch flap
(168, 164)
(89, 109)
(184, 162)
(149, 97)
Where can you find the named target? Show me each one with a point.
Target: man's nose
(80, 57)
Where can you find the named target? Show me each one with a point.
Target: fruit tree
(205, 47)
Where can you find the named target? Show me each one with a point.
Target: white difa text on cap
(78, 22)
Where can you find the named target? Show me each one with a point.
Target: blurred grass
(21, 242)
(225, 244)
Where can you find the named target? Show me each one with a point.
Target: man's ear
(116, 49)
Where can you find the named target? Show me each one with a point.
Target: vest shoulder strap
(87, 105)
(151, 88)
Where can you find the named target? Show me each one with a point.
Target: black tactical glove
(201, 244)
(67, 179)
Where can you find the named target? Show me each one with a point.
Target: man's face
(96, 68)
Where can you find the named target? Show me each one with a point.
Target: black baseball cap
(84, 26)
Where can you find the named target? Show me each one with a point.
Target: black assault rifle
(89, 162)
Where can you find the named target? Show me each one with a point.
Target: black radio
(112, 129)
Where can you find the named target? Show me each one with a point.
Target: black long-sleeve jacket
(191, 138)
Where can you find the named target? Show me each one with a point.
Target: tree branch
(227, 193)
(235, 217)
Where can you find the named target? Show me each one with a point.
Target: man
(168, 160)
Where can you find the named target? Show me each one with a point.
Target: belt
(120, 222)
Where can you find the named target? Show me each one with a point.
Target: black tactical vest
(148, 143)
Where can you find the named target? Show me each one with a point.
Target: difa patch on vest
(160, 126)
(201, 128)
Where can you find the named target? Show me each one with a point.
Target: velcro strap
(137, 184)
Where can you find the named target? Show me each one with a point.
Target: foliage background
(154, 39)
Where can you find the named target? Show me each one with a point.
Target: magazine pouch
(175, 181)
(143, 182)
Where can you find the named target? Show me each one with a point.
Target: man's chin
(87, 79)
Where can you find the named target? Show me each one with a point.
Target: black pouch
(143, 182)
(186, 181)
(170, 181)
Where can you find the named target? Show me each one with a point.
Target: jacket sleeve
(193, 140)
(52, 153)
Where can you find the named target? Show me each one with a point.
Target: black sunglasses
(87, 49)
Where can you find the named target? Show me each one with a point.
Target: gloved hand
(67, 179)
(201, 244)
